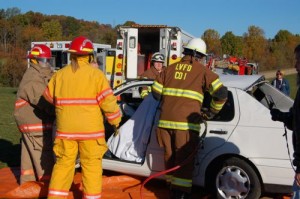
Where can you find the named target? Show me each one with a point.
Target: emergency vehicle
(58, 49)
(135, 46)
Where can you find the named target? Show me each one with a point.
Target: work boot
(178, 194)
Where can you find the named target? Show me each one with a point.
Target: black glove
(277, 115)
(207, 114)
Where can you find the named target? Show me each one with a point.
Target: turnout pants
(91, 153)
(37, 158)
(179, 146)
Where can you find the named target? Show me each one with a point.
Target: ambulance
(135, 46)
(61, 57)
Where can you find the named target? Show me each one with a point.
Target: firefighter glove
(277, 115)
(208, 114)
(116, 130)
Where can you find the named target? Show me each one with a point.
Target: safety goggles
(44, 60)
(159, 57)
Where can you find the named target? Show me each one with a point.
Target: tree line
(18, 30)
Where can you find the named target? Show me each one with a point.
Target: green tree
(52, 30)
(282, 48)
(255, 47)
(70, 27)
(232, 45)
(212, 40)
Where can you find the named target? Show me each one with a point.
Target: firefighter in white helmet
(181, 88)
(34, 117)
(157, 66)
(82, 97)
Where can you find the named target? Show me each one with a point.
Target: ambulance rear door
(164, 45)
(131, 49)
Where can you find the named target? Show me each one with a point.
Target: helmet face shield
(46, 62)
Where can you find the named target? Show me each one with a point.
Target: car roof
(240, 81)
(243, 82)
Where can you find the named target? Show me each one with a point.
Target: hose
(188, 159)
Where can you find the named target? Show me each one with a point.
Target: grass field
(9, 133)
(293, 82)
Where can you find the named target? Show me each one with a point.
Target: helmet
(158, 57)
(40, 51)
(81, 46)
(198, 45)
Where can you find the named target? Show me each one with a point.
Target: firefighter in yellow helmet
(34, 117)
(82, 97)
(157, 66)
(181, 88)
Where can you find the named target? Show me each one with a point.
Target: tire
(233, 178)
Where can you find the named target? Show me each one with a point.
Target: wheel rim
(233, 182)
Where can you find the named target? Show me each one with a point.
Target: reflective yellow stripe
(169, 178)
(157, 87)
(182, 182)
(183, 93)
(214, 86)
(144, 93)
(216, 106)
(178, 125)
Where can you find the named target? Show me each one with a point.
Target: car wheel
(234, 178)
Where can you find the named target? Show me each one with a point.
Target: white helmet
(198, 45)
(158, 57)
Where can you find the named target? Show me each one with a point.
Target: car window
(227, 112)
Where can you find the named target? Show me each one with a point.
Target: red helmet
(81, 46)
(40, 51)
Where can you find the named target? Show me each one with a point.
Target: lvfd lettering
(182, 70)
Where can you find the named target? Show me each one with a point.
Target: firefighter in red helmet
(181, 88)
(82, 98)
(34, 117)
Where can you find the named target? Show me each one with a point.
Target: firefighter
(181, 88)
(157, 61)
(34, 117)
(82, 97)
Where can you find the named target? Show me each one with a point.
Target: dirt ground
(115, 186)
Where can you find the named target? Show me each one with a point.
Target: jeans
(296, 191)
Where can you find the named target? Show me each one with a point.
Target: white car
(244, 153)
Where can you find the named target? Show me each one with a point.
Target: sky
(193, 16)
